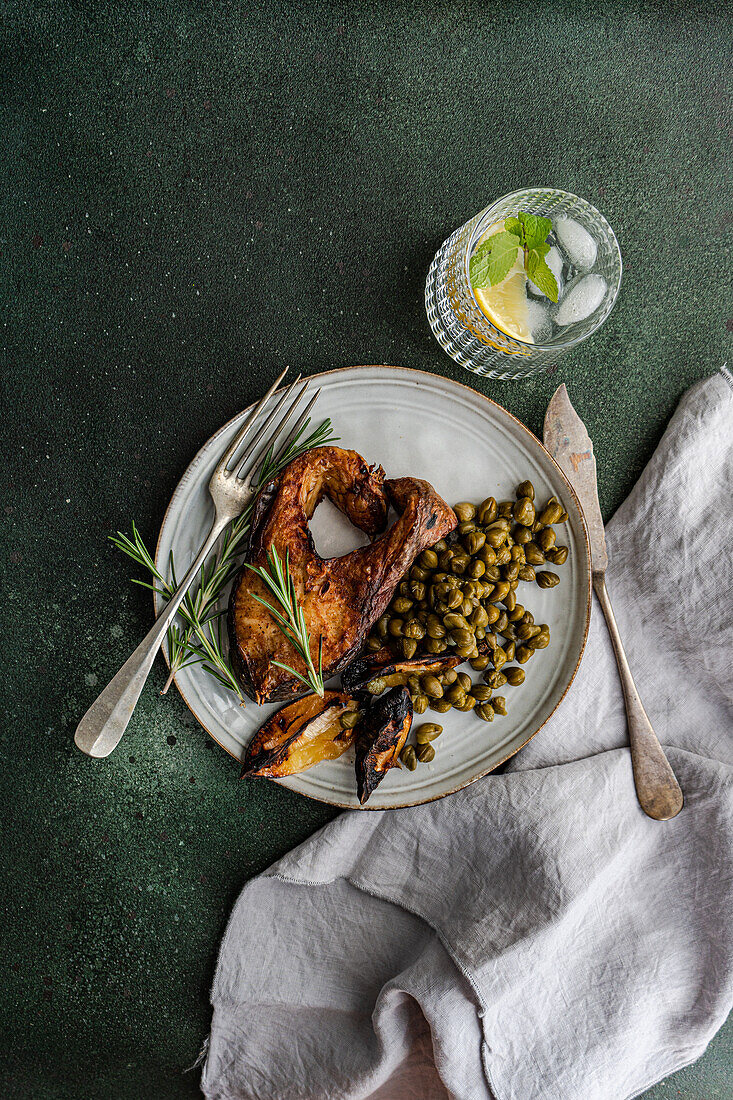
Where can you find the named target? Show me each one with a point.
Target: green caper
(541, 640)
(468, 703)
(425, 753)
(465, 652)
(481, 692)
(526, 489)
(402, 604)
(464, 510)
(432, 686)
(523, 511)
(446, 558)
(439, 546)
(547, 579)
(514, 676)
(500, 591)
(523, 654)
(449, 676)
(527, 617)
(464, 680)
(510, 631)
(562, 517)
(516, 614)
(435, 645)
(546, 539)
(525, 631)
(492, 613)
(418, 590)
(428, 731)
(527, 573)
(510, 648)
(373, 644)
(510, 572)
(499, 657)
(462, 637)
(481, 662)
(459, 566)
(550, 513)
(495, 679)
(503, 555)
(498, 704)
(533, 554)
(476, 568)
(505, 508)
(454, 598)
(466, 528)
(413, 683)
(435, 628)
(485, 711)
(466, 608)
(478, 617)
(495, 537)
(487, 554)
(414, 629)
(492, 573)
(487, 511)
(396, 626)
(474, 542)
(419, 703)
(408, 756)
(492, 641)
(350, 719)
(428, 559)
(377, 685)
(521, 535)
(455, 694)
(454, 621)
(558, 555)
(501, 623)
(441, 706)
(408, 647)
(418, 574)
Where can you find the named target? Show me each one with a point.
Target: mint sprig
(494, 257)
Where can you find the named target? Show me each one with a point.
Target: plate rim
(589, 593)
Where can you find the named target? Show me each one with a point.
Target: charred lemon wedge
(302, 734)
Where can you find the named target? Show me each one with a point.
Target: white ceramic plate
(469, 448)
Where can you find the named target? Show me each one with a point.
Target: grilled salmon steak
(341, 598)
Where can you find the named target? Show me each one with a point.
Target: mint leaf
(492, 260)
(513, 225)
(535, 229)
(540, 274)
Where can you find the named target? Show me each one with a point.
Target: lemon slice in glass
(505, 304)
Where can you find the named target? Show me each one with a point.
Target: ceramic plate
(469, 448)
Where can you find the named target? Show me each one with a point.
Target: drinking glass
(464, 331)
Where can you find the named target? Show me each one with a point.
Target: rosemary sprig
(291, 619)
(200, 637)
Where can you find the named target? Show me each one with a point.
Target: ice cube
(555, 262)
(576, 242)
(539, 321)
(582, 297)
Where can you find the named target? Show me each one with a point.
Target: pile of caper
(459, 598)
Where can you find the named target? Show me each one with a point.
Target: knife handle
(657, 788)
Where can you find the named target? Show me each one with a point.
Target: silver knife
(567, 440)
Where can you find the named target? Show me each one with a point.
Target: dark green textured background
(197, 194)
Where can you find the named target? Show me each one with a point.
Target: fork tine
(297, 427)
(242, 433)
(252, 461)
(261, 431)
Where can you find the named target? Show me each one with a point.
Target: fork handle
(101, 728)
(657, 788)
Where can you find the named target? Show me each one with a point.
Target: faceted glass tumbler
(464, 331)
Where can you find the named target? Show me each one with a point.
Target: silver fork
(232, 487)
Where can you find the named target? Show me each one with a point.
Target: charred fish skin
(341, 598)
(380, 738)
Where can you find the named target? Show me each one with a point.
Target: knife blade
(566, 438)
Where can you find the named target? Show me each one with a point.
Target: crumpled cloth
(534, 936)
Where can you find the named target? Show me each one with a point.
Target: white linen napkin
(534, 936)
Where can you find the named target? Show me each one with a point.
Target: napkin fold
(534, 936)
